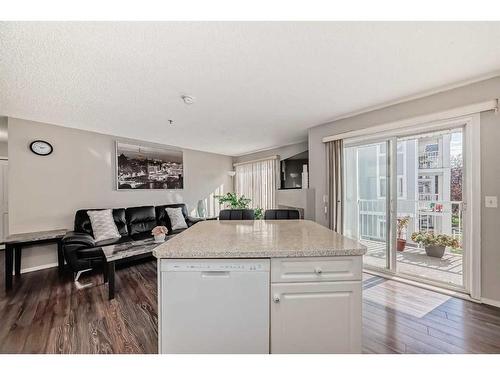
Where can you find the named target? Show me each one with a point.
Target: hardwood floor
(400, 318)
(44, 314)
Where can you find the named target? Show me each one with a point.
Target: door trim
(472, 151)
(392, 167)
(427, 285)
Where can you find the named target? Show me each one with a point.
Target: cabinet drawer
(286, 270)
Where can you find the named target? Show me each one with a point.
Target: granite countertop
(258, 239)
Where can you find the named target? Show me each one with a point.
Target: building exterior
(424, 188)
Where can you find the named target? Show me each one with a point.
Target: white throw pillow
(176, 218)
(103, 225)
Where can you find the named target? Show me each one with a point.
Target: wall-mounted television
(291, 170)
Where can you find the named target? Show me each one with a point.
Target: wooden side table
(15, 243)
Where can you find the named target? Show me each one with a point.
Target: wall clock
(41, 148)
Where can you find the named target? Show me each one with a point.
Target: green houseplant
(435, 244)
(402, 224)
(259, 213)
(232, 201)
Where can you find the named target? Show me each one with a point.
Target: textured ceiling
(257, 85)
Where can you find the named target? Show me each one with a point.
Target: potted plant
(402, 224)
(259, 213)
(435, 244)
(159, 233)
(233, 201)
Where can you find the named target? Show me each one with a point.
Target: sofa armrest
(78, 238)
(193, 220)
(80, 251)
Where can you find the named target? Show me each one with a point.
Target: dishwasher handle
(215, 274)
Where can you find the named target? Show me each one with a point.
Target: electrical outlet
(491, 202)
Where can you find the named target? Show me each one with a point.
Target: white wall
(490, 160)
(490, 217)
(45, 192)
(3, 149)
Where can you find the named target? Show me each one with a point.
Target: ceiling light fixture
(188, 99)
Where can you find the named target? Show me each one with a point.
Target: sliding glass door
(366, 208)
(430, 200)
(408, 184)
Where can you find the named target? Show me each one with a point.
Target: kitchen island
(281, 286)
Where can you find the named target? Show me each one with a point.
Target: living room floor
(46, 314)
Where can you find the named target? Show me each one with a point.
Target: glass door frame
(390, 227)
(471, 198)
(465, 258)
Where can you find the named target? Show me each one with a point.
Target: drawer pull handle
(318, 271)
(276, 298)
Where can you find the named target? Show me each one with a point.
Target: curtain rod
(256, 160)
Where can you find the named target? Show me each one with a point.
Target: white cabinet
(321, 316)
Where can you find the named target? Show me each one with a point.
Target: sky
(456, 144)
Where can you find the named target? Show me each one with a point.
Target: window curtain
(335, 161)
(257, 181)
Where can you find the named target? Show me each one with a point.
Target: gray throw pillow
(103, 225)
(176, 218)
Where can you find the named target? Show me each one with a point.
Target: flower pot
(435, 251)
(160, 237)
(400, 246)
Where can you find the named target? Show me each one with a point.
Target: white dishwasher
(214, 306)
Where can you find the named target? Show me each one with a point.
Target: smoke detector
(188, 99)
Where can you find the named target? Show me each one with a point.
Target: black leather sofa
(82, 252)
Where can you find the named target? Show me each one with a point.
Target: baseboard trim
(491, 302)
(38, 268)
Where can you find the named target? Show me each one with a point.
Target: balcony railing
(428, 197)
(429, 160)
(372, 216)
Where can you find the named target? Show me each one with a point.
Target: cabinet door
(323, 317)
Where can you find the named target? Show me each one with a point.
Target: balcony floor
(415, 262)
